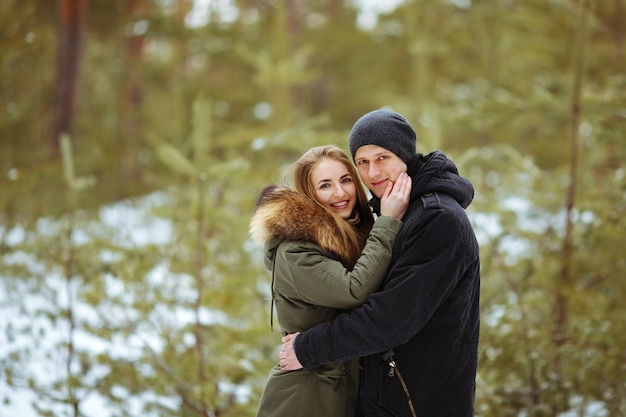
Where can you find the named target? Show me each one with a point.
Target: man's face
(377, 167)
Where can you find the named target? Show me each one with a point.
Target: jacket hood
(283, 214)
(435, 173)
(439, 174)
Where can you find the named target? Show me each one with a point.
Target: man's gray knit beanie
(386, 129)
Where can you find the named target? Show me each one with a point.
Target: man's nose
(373, 171)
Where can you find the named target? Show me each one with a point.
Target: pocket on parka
(324, 391)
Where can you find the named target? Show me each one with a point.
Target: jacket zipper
(393, 371)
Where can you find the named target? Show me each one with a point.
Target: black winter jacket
(426, 314)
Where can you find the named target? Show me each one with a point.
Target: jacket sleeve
(419, 280)
(317, 279)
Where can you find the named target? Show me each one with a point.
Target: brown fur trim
(289, 215)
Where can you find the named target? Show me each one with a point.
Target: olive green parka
(310, 285)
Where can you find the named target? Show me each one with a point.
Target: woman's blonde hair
(353, 233)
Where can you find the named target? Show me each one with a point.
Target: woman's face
(334, 187)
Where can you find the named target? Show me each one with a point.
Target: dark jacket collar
(435, 173)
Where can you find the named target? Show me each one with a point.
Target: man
(418, 335)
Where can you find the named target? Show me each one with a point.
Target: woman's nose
(340, 190)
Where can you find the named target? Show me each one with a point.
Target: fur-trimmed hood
(285, 214)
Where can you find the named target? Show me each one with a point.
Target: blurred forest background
(135, 136)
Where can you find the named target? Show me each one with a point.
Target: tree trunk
(565, 279)
(70, 27)
(618, 35)
(128, 147)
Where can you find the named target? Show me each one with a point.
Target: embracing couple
(377, 302)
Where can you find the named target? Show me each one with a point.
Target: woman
(326, 254)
